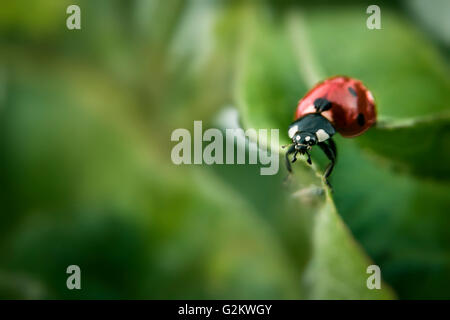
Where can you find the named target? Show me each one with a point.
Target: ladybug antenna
(287, 145)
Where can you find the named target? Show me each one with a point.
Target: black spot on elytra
(361, 119)
(352, 91)
(322, 104)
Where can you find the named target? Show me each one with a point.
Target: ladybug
(338, 104)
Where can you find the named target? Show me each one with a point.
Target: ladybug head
(303, 141)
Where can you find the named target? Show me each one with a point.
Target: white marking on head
(292, 131)
(369, 96)
(307, 138)
(297, 138)
(322, 135)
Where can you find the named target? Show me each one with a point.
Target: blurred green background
(86, 176)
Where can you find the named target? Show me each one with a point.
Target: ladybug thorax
(310, 130)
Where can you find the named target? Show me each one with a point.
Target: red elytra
(353, 106)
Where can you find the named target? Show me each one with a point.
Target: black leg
(309, 158)
(333, 147)
(288, 162)
(330, 151)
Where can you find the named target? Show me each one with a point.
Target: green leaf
(338, 269)
(409, 80)
(268, 85)
(432, 17)
(401, 221)
(413, 146)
